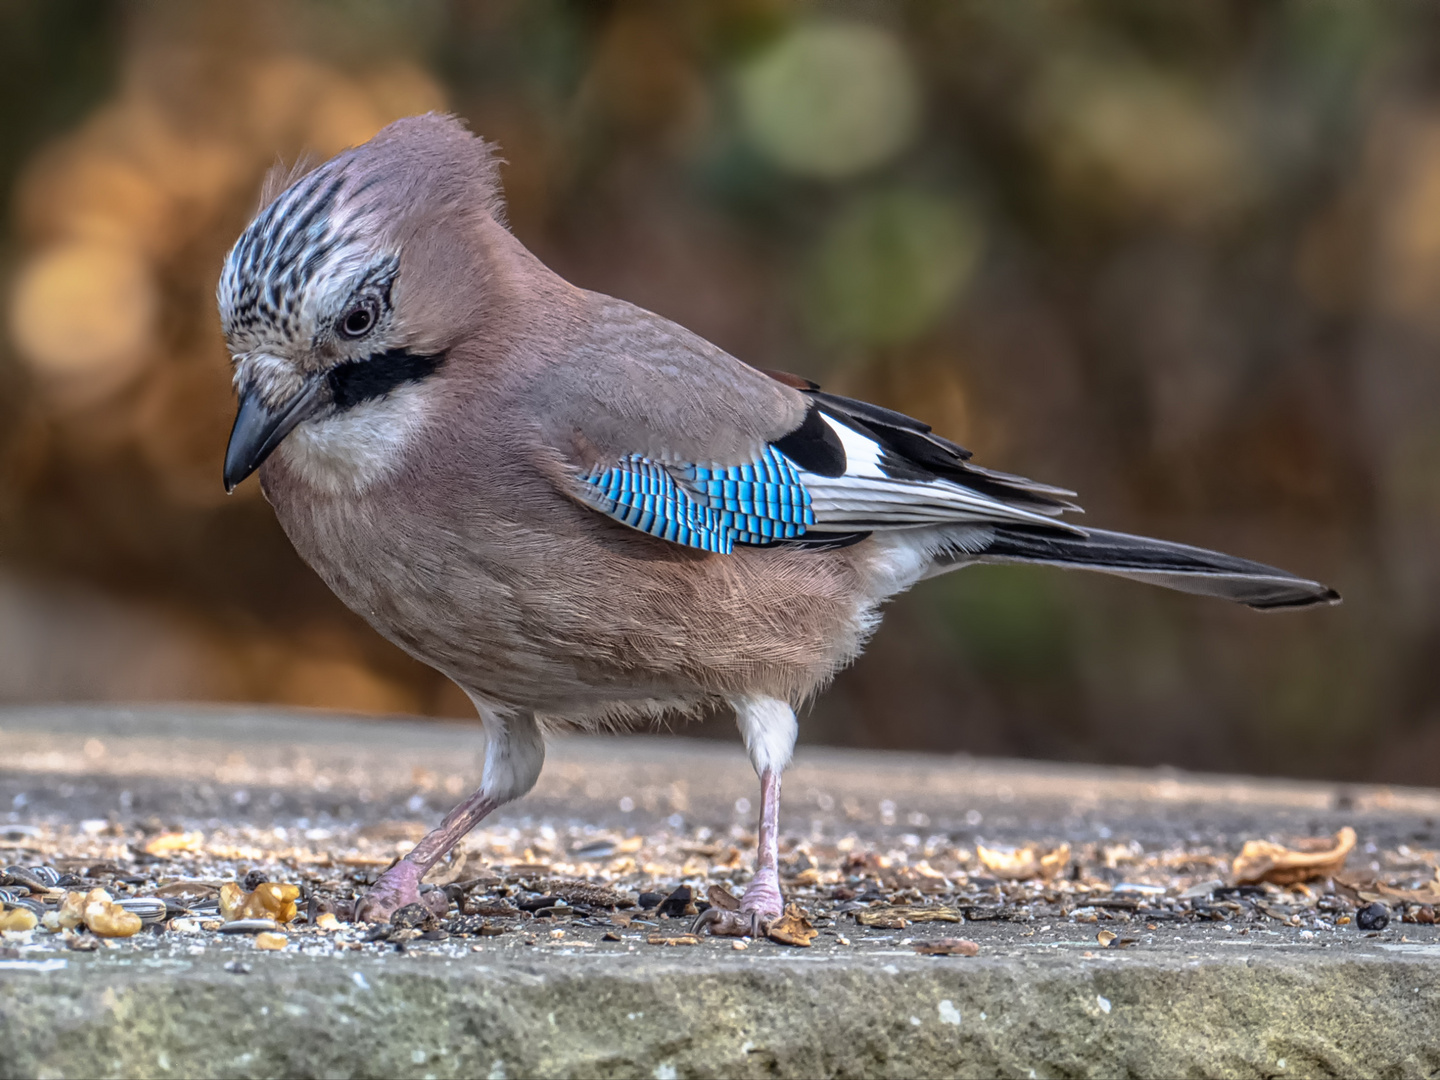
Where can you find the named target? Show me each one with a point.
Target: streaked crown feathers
(337, 230)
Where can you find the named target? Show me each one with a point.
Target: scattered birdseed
(107, 919)
(492, 909)
(1264, 860)
(268, 900)
(248, 926)
(18, 920)
(415, 917)
(948, 946)
(1374, 916)
(522, 882)
(1024, 863)
(587, 895)
(473, 926)
(897, 917)
(167, 843)
(270, 941)
(793, 928)
(679, 903)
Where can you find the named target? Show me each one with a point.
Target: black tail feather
(1160, 562)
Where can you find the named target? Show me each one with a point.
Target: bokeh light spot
(84, 309)
(889, 265)
(831, 99)
(1122, 134)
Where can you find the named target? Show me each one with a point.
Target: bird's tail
(1157, 562)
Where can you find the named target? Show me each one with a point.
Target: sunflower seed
(35, 882)
(151, 909)
(248, 926)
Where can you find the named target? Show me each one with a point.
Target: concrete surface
(1041, 999)
(1045, 1012)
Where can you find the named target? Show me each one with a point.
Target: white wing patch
(865, 497)
(862, 453)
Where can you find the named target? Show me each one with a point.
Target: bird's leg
(400, 885)
(514, 752)
(768, 726)
(762, 896)
(762, 903)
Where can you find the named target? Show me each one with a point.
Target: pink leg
(514, 752)
(762, 897)
(400, 885)
(762, 903)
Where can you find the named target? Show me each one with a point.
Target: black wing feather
(915, 452)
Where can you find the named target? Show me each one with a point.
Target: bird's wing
(773, 459)
(708, 507)
(893, 472)
(639, 384)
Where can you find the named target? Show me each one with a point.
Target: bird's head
(343, 289)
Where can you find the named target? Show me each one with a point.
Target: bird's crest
(343, 218)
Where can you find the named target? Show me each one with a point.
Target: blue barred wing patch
(702, 507)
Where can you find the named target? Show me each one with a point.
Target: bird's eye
(358, 321)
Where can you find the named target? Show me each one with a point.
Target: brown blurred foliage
(1184, 258)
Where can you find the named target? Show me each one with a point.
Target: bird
(582, 513)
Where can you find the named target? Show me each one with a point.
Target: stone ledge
(1260, 1012)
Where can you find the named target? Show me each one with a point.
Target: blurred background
(1183, 258)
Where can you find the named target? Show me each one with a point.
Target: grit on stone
(1110, 933)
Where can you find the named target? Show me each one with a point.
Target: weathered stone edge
(335, 1016)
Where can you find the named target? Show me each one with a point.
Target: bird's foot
(395, 888)
(760, 906)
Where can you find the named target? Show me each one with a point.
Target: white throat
(347, 453)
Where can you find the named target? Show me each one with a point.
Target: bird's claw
(761, 907)
(394, 889)
(723, 923)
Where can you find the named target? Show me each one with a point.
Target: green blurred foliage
(888, 266)
(1012, 621)
(1182, 257)
(830, 99)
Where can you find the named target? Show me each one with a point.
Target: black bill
(259, 429)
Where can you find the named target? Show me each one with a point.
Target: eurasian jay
(580, 512)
